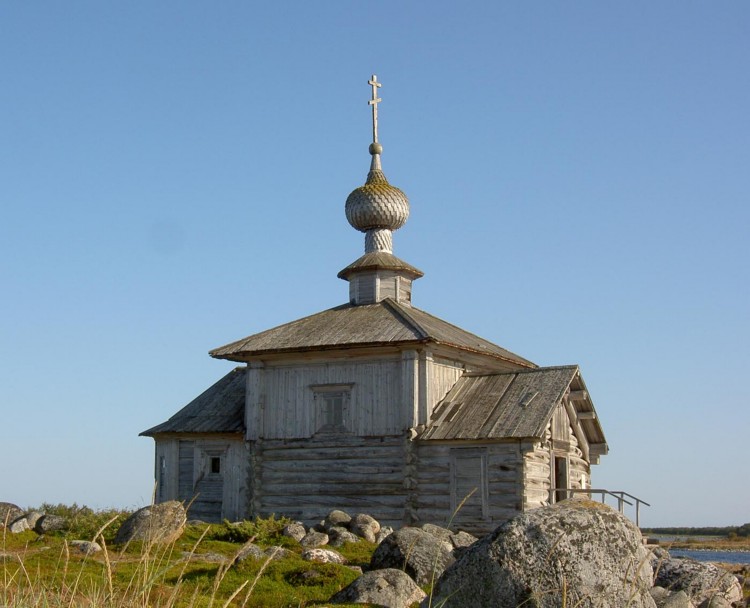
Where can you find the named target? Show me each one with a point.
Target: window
(216, 464)
(332, 407)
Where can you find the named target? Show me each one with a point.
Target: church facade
(377, 406)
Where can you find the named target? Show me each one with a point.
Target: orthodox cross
(373, 82)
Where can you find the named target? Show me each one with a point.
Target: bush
(84, 522)
(262, 531)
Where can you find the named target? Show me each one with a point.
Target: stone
(579, 547)
(248, 551)
(160, 523)
(9, 513)
(421, 555)
(700, 580)
(19, 525)
(323, 556)
(390, 587)
(677, 599)
(385, 531)
(459, 540)
(717, 601)
(338, 536)
(86, 547)
(50, 523)
(274, 553)
(314, 539)
(364, 531)
(32, 517)
(362, 519)
(296, 531)
(336, 518)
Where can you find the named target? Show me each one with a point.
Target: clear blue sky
(173, 177)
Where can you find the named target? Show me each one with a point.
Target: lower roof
(219, 409)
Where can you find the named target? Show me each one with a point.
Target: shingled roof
(384, 323)
(219, 409)
(513, 405)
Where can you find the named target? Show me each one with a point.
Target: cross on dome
(373, 82)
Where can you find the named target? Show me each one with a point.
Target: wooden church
(377, 406)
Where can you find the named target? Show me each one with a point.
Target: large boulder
(160, 523)
(390, 588)
(700, 580)
(50, 523)
(422, 555)
(9, 513)
(575, 553)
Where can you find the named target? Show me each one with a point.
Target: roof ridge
(399, 310)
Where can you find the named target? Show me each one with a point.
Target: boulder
(717, 601)
(84, 546)
(670, 599)
(314, 539)
(700, 580)
(50, 523)
(160, 523)
(9, 513)
(336, 518)
(578, 548)
(19, 525)
(274, 553)
(248, 551)
(338, 536)
(32, 517)
(362, 519)
(295, 530)
(323, 556)
(385, 532)
(363, 531)
(423, 556)
(391, 588)
(459, 540)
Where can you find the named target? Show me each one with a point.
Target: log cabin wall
(448, 472)
(209, 472)
(537, 472)
(305, 478)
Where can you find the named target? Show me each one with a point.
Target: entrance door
(561, 479)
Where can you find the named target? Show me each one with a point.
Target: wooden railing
(619, 495)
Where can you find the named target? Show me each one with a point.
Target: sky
(173, 178)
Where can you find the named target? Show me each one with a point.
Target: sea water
(700, 555)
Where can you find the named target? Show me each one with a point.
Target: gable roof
(219, 409)
(508, 405)
(384, 323)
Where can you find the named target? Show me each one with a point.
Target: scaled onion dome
(377, 204)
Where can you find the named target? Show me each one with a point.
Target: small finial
(375, 147)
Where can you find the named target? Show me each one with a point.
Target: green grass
(46, 572)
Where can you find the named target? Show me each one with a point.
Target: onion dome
(377, 209)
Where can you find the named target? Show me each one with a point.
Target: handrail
(618, 494)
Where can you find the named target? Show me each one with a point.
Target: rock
(9, 513)
(423, 556)
(314, 539)
(248, 551)
(362, 519)
(717, 601)
(700, 580)
(323, 556)
(86, 547)
(336, 518)
(274, 553)
(296, 531)
(391, 588)
(160, 523)
(32, 517)
(384, 533)
(678, 599)
(459, 540)
(338, 536)
(19, 525)
(581, 546)
(50, 523)
(364, 531)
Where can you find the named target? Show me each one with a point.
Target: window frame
(325, 420)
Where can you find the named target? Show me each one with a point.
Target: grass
(194, 571)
